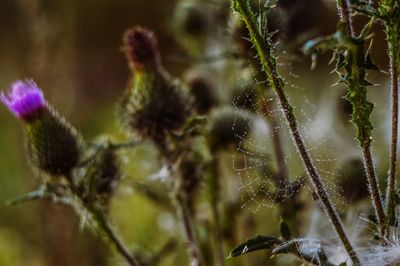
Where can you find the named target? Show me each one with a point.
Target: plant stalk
(357, 78)
(344, 10)
(114, 238)
(188, 230)
(394, 50)
(215, 194)
(181, 203)
(103, 224)
(269, 67)
(282, 178)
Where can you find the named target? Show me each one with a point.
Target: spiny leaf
(341, 60)
(257, 243)
(368, 62)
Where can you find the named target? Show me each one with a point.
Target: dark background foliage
(72, 48)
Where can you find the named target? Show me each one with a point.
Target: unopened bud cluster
(154, 104)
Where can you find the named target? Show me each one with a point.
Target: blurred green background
(72, 48)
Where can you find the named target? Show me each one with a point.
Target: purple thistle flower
(24, 98)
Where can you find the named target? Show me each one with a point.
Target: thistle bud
(140, 47)
(192, 25)
(102, 176)
(53, 145)
(203, 93)
(229, 127)
(245, 96)
(154, 104)
(192, 19)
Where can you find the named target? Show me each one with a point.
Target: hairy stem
(373, 187)
(344, 9)
(181, 203)
(215, 188)
(394, 50)
(268, 64)
(103, 223)
(282, 178)
(188, 230)
(114, 238)
(361, 110)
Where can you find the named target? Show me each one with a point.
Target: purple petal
(24, 98)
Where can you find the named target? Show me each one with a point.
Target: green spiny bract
(245, 96)
(350, 53)
(102, 176)
(53, 145)
(154, 104)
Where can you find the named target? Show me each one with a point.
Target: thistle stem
(181, 203)
(215, 188)
(344, 10)
(373, 187)
(114, 238)
(358, 73)
(103, 224)
(282, 178)
(186, 220)
(394, 85)
(269, 67)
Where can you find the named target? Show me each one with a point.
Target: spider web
(253, 159)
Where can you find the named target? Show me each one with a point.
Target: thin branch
(181, 203)
(344, 9)
(106, 227)
(391, 29)
(102, 221)
(282, 177)
(394, 84)
(187, 224)
(215, 191)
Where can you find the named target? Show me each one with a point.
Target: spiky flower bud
(191, 19)
(53, 145)
(203, 93)
(154, 104)
(102, 176)
(141, 50)
(229, 127)
(245, 96)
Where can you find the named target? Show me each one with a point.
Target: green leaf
(257, 243)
